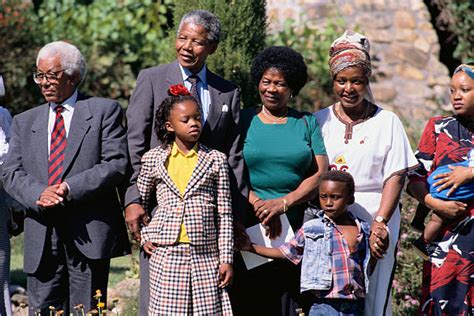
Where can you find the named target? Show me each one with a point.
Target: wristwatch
(380, 219)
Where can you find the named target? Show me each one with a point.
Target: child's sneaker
(422, 248)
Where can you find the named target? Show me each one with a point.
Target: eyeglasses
(51, 77)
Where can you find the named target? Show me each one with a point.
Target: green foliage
(313, 44)
(457, 16)
(406, 288)
(243, 27)
(18, 26)
(118, 38)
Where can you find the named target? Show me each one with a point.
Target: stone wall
(408, 77)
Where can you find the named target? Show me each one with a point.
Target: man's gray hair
(205, 18)
(72, 60)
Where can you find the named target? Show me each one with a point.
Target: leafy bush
(313, 44)
(456, 16)
(18, 26)
(118, 38)
(406, 288)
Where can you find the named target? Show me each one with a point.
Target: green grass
(119, 267)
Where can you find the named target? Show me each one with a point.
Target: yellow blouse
(180, 167)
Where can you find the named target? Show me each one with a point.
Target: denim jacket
(316, 268)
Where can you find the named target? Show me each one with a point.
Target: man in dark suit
(66, 159)
(198, 37)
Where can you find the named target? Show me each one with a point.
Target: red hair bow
(178, 89)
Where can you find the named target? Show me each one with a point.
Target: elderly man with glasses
(66, 159)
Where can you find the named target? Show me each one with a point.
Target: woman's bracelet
(285, 205)
(255, 201)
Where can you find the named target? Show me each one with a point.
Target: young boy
(334, 249)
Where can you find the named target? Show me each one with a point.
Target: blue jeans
(337, 307)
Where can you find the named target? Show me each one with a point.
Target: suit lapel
(200, 171)
(215, 108)
(164, 173)
(80, 125)
(174, 76)
(39, 141)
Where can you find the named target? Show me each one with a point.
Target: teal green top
(278, 157)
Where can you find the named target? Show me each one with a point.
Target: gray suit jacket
(95, 164)
(220, 131)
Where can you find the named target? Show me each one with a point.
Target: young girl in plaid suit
(189, 238)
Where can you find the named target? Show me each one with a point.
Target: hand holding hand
(135, 216)
(243, 242)
(226, 273)
(51, 196)
(268, 209)
(273, 229)
(240, 237)
(63, 190)
(378, 240)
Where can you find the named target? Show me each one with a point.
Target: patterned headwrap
(351, 49)
(467, 68)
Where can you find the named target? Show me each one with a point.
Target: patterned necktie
(193, 79)
(56, 151)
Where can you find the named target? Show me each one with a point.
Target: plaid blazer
(205, 207)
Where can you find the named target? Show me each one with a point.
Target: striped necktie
(193, 79)
(56, 151)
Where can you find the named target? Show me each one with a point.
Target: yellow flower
(98, 294)
(101, 305)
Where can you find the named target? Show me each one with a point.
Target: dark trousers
(271, 289)
(66, 278)
(144, 283)
(337, 307)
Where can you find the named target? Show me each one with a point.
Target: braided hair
(162, 116)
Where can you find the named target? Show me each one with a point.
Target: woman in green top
(284, 156)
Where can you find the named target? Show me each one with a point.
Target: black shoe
(421, 248)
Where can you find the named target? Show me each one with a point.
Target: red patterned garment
(448, 277)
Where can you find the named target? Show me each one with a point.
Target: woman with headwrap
(371, 144)
(448, 274)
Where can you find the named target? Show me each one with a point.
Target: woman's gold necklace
(272, 118)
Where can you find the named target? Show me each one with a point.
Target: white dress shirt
(201, 87)
(68, 105)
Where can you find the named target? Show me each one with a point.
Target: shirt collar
(327, 219)
(186, 73)
(175, 151)
(68, 104)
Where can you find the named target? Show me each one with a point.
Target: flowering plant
(178, 89)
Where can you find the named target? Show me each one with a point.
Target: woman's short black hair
(162, 115)
(284, 59)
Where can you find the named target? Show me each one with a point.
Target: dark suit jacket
(220, 131)
(95, 164)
